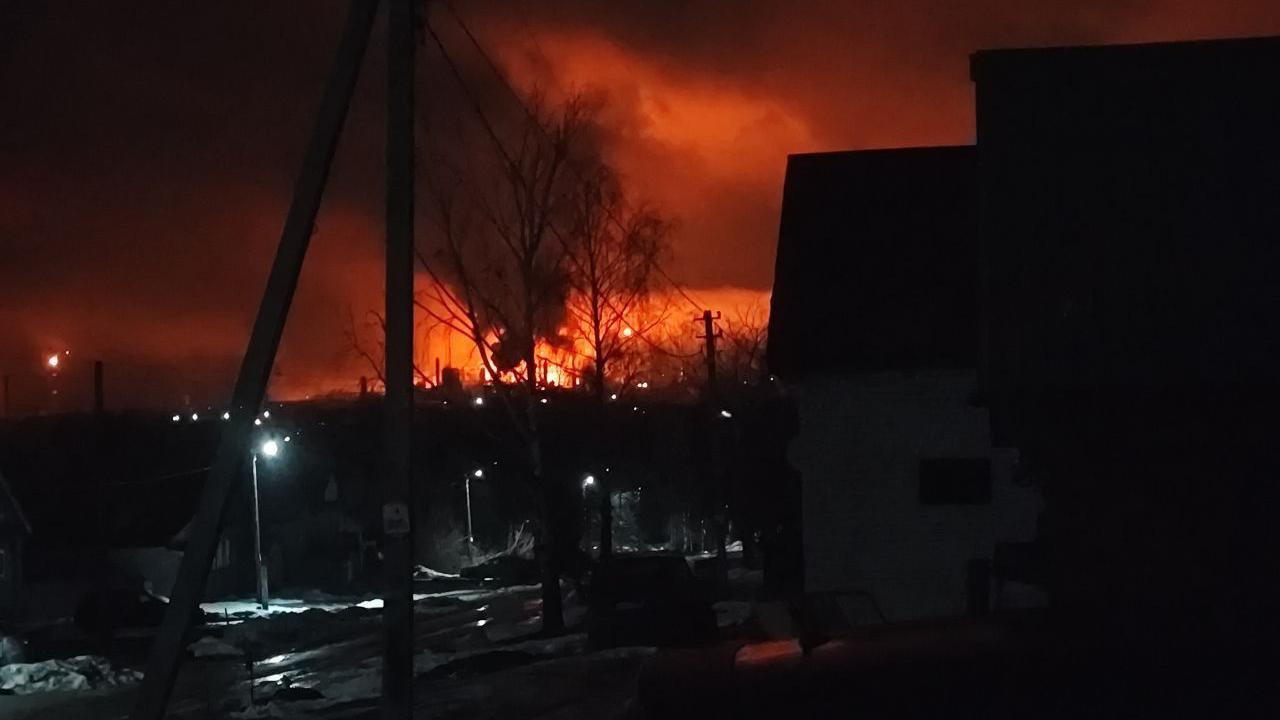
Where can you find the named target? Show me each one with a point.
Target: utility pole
(397, 508)
(255, 369)
(7, 407)
(710, 334)
(98, 399)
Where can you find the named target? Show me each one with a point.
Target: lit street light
(271, 449)
(477, 473)
(53, 362)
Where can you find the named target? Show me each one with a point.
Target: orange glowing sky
(147, 151)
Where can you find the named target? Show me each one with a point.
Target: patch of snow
(213, 647)
(422, 572)
(502, 631)
(82, 672)
(242, 609)
(12, 650)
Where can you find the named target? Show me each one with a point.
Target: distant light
(543, 401)
(195, 417)
(588, 481)
(266, 414)
(635, 408)
(726, 414)
(288, 438)
(177, 418)
(257, 421)
(627, 332)
(53, 361)
(478, 473)
(226, 416)
(478, 401)
(271, 448)
(613, 396)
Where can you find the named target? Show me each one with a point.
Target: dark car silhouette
(649, 600)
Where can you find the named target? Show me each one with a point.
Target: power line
(497, 72)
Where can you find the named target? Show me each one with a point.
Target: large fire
(656, 347)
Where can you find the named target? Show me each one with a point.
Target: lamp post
(477, 473)
(270, 448)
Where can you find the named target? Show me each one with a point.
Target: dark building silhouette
(1098, 280)
(874, 331)
(1129, 215)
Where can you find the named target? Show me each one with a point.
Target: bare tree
(612, 255)
(499, 273)
(360, 344)
(743, 343)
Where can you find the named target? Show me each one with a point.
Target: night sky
(147, 149)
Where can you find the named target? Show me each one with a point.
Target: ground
(318, 656)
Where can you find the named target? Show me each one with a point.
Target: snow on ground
(423, 572)
(362, 683)
(212, 647)
(243, 608)
(82, 672)
(247, 608)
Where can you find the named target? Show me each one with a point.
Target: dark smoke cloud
(147, 148)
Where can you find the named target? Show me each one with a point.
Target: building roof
(877, 263)
(1176, 59)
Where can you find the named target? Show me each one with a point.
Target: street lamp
(477, 473)
(269, 448)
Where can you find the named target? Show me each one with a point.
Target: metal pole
(255, 370)
(98, 397)
(470, 538)
(260, 570)
(397, 513)
(717, 475)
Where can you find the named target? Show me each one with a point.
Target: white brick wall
(861, 439)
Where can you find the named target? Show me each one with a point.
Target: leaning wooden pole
(255, 370)
(397, 513)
